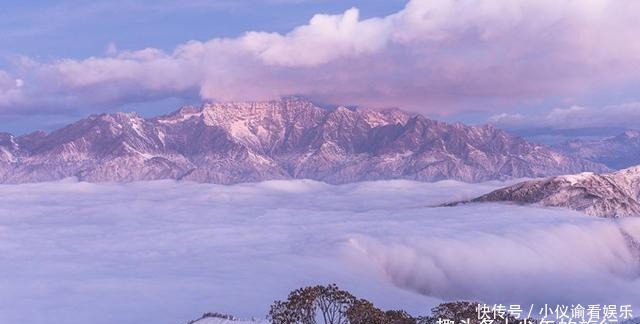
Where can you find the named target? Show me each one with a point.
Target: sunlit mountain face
(289, 138)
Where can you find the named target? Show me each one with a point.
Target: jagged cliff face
(290, 138)
(617, 152)
(606, 195)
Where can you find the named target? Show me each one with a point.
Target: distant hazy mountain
(605, 195)
(616, 152)
(289, 138)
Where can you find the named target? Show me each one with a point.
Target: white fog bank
(164, 252)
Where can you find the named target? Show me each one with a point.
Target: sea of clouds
(163, 252)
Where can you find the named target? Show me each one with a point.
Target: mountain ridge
(289, 138)
(608, 195)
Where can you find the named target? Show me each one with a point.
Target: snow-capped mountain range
(610, 195)
(289, 138)
(616, 152)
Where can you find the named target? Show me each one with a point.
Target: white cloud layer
(432, 55)
(163, 252)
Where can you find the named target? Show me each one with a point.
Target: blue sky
(550, 67)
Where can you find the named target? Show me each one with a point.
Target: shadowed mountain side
(618, 152)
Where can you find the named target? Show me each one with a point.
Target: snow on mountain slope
(612, 195)
(285, 139)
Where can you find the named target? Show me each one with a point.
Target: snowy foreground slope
(164, 252)
(611, 195)
(212, 320)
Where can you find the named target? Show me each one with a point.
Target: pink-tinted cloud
(438, 56)
(326, 38)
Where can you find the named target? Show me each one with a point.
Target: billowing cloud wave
(436, 56)
(163, 252)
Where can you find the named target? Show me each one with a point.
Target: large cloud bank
(164, 252)
(429, 55)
